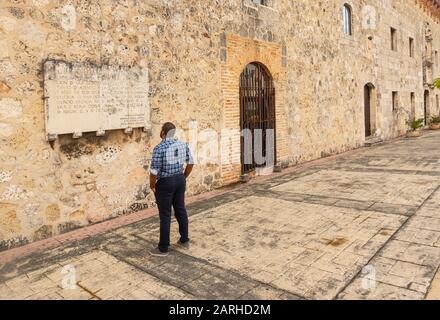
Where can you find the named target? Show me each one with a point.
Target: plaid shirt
(169, 156)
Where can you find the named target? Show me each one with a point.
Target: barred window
(347, 18)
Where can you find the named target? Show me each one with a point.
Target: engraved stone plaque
(82, 97)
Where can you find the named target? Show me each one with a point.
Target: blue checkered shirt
(169, 157)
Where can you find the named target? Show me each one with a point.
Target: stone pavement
(364, 225)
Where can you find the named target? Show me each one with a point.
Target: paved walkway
(365, 225)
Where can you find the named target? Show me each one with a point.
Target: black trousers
(170, 193)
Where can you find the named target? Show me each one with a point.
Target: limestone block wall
(50, 188)
(188, 48)
(327, 71)
(398, 71)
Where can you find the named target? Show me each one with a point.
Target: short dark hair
(169, 129)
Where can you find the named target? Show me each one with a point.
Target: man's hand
(188, 170)
(153, 181)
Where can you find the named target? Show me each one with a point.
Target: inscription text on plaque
(81, 97)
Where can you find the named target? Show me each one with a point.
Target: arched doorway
(257, 118)
(426, 106)
(369, 110)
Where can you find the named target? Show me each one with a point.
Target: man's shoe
(184, 246)
(157, 253)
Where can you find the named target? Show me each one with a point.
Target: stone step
(373, 141)
(264, 171)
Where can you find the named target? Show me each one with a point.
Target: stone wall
(47, 188)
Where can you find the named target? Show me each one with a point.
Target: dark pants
(170, 192)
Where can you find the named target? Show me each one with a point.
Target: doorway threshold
(372, 141)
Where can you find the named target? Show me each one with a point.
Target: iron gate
(257, 111)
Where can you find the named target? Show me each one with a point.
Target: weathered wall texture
(190, 50)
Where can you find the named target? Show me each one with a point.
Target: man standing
(168, 182)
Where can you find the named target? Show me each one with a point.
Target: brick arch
(266, 69)
(239, 53)
(244, 59)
